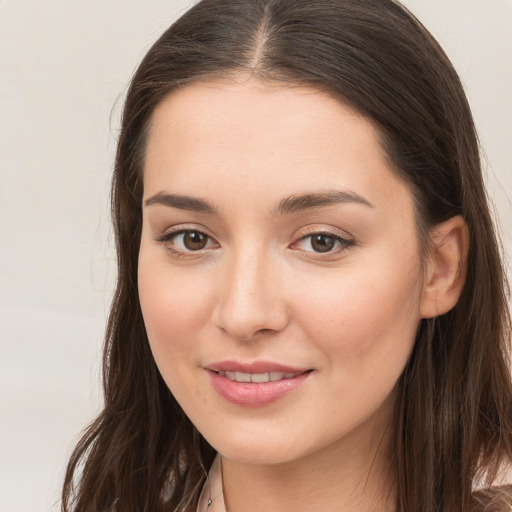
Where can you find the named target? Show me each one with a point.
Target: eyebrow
(291, 204)
(296, 203)
(182, 202)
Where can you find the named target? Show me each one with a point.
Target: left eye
(323, 242)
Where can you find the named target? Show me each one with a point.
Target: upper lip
(254, 367)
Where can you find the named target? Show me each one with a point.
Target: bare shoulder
(494, 499)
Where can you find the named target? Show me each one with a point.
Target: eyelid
(171, 231)
(316, 229)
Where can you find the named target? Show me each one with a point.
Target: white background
(64, 66)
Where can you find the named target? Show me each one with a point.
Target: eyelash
(167, 239)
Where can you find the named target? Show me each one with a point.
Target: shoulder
(494, 499)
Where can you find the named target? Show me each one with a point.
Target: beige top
(212, 495)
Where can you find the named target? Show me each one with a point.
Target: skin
(258, 290)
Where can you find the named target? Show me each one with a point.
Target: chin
(259, 455)
(255, 448)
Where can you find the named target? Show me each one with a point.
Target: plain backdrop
(64, 66)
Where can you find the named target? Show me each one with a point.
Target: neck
(354, 474)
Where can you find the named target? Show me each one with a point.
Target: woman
(310, 311)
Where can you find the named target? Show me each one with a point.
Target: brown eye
(194, 240)
(187, 241)
(322, 242)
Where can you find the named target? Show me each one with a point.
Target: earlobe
(446, 267)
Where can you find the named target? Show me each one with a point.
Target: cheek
(175, 309)
(367, 311)
(175, 306)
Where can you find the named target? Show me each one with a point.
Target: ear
(445, 271)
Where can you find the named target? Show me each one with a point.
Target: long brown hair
(453, 416)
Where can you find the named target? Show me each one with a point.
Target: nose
(251, 299)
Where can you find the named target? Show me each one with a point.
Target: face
(279, 275)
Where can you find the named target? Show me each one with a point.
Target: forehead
(250, 112)
(254, 135)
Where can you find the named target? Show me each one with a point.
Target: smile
(256, 384)
(257, 377)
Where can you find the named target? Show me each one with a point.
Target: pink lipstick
(255, 384)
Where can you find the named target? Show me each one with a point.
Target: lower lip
(251, 394)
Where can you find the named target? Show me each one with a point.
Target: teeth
(256, 377)
(260, 377)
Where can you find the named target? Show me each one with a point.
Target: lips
(257, 377)
(255, 384)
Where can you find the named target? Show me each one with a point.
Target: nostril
(263, 331)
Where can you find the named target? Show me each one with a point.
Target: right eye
(187, 241)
